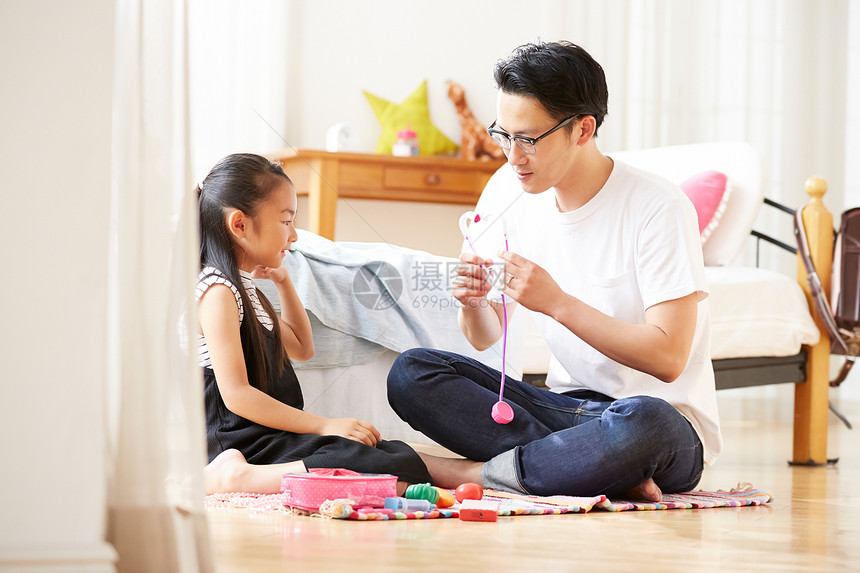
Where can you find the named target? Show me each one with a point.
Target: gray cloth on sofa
(365, 297)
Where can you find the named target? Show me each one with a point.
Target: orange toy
(476, 143)
(446, 498)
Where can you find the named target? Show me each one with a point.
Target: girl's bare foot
(645, 491)
(223, 474)
(230, 472)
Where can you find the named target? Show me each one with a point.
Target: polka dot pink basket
(310, 490)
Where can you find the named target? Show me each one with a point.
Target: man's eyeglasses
(527, 144)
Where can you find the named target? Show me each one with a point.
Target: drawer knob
(433, 179)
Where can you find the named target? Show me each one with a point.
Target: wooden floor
(813, 524)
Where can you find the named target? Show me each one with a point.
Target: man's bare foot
(222, 474)
(645, 491)
(451, 472)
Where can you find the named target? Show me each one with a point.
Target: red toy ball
(468, 491)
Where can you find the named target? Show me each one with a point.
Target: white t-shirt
(634, 245)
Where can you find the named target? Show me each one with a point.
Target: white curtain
(852, 131)
(780, 74)
(241, 78)
(156, 441)
(770, 72)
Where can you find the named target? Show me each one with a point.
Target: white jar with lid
(406, 144)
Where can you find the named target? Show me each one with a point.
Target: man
(608, 260)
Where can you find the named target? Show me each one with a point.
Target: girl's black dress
(263, 445)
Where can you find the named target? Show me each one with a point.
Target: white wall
(332, 50)
(320, 55)
(56, 65)
(388, 48)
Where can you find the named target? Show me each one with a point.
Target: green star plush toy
(414, 113)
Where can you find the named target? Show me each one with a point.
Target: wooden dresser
(326, 177)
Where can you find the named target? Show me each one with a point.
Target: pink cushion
(709, 192)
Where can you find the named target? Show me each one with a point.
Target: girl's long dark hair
(240, 181)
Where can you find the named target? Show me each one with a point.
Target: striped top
(211, 276)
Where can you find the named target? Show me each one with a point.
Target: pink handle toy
(502, 412)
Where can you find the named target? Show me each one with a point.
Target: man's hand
(529, 284)
(472, 283)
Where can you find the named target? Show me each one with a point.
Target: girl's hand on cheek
(274, 274)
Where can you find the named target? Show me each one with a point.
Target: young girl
(255, 427)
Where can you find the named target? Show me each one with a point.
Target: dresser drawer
(428, 179)
(326, 177)
(360, 175)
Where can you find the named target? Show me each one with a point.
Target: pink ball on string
(502, 412)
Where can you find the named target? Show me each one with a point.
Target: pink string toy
(502, 412)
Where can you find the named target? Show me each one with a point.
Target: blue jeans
(582, 443)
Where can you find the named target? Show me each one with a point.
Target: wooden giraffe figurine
(476, 143)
